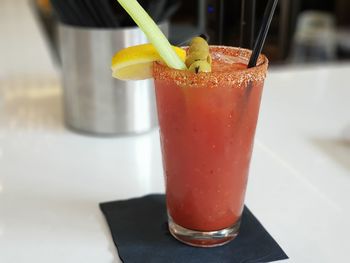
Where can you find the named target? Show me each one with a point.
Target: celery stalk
(153, 33)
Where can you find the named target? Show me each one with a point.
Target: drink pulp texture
(207, 130)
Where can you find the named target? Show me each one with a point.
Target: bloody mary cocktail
(207, 126)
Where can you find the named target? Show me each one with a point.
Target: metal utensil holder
(94, 102)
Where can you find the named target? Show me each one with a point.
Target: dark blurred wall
(223, 17)
(323, 5)
(343, 12)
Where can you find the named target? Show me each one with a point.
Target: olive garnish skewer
(198, 58)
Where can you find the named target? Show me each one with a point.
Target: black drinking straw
(265, 25)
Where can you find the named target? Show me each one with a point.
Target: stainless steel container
(94, 102)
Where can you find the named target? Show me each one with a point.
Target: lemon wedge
(135, 62)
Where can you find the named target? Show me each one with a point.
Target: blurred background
(301, 31)
(41, 39)
(297, 27)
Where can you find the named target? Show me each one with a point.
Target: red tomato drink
(207, 126)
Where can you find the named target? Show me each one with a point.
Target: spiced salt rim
(233, 78)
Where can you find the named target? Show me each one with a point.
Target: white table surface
(51, 179)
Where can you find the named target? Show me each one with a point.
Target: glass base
(203, 239)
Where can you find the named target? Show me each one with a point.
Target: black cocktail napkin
(139, 230)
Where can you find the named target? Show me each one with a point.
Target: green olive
(200, 66)
(200, 48)
(196, 40)
(198, 44)
(209, 60)
(196, 55)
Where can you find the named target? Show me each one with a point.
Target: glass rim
(238, 78)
